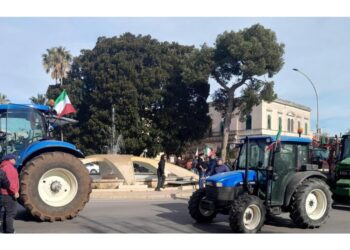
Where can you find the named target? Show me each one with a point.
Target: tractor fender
(40, 147)
(297, 179)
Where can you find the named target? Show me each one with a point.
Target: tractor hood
(343, 165)
(345, 162)
(230, 179)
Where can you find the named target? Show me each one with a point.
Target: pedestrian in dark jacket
(10, 194)
(161, 173)
(220, 167)
(202, 167)
(211, 166)
(4, 183)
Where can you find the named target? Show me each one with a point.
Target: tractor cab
(341, 189)
(20, 126)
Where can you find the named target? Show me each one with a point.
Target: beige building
(263, 120)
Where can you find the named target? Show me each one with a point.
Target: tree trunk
(228, 117)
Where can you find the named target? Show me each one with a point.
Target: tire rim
(57, 187)
(252, 217)
(316, 204)
(205, 212)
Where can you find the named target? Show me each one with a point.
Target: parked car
(93, 168)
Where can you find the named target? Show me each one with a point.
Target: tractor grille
(222, 193)
(211, 193)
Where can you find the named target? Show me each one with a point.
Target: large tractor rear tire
(201, 215)
(311, 204)
(55, 186)
(247, 214)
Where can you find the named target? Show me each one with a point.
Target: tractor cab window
(285, 158)
(258, 155)
(19, 128)
(346, 148)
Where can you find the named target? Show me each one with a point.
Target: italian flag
(207, 151)
(63, 106)
(273, 145)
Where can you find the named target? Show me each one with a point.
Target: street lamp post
(308, 78)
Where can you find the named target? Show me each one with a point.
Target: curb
(113, 194)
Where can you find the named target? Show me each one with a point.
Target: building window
(280, 123)
(268, 121)
(292, 126)
(248, 122)
(299, 125)
(288, 125)
(306, 128)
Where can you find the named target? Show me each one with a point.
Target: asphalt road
(162, 216)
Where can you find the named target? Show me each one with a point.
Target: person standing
(4, 183)
(220, 167)
(10, 194)
(211, 166)
(161, 173)
(202, 168)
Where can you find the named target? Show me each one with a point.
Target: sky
(317, 46)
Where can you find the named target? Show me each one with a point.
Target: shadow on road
(178, 214)
(24, 215)
(339, 206)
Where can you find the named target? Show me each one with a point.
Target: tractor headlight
(209, 183)
(219, 184)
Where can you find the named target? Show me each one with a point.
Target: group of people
(9, 192)
(208, 166)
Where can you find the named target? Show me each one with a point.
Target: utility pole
(308, 78)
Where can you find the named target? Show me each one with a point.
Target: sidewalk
(115, 194)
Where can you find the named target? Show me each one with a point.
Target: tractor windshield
(257, 152)
(346, 148)
(20, 127)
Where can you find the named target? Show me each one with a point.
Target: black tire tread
(193, 207)
(238, 207)
(298, 213)
(27, 201)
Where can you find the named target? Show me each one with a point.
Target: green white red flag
(273, 145)
(207, 151)
(63, 106)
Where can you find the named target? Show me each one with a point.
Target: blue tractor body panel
(232, 178)
(272, 138)
(46, 145)
(39, 107)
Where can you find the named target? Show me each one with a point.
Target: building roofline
(284, 102)
(292, 104)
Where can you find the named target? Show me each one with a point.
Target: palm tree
(3, 99)
(39, 99)
(57, 60)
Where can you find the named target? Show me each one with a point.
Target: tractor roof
(12, 106)
(282, 139)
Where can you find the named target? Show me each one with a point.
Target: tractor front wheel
(197, 212)
(247, 214)
(55, 186)
(311, 204)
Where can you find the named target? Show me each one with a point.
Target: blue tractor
(54, 184)
(270, 178)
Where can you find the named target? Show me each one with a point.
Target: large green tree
(242, 61)
(57, 60)
(158, 90)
